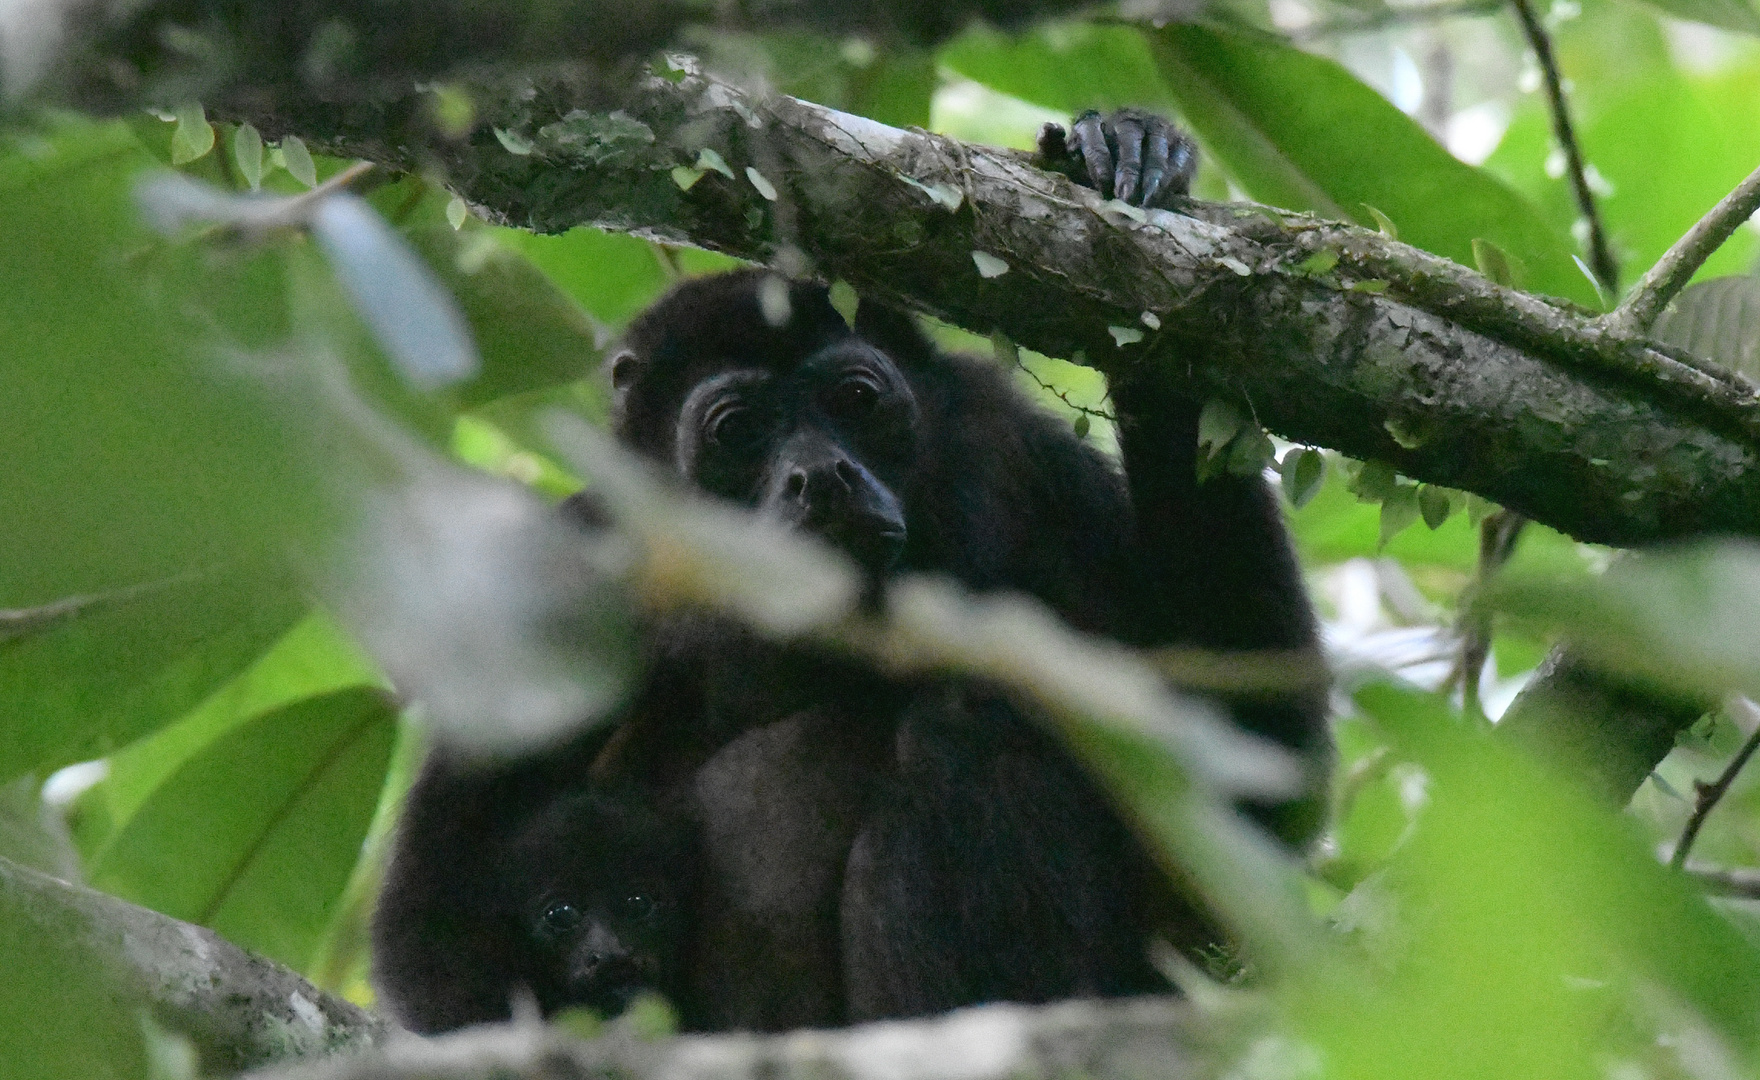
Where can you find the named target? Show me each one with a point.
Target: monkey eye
(732, 425)
(560, 918)
(852, 399)
(638, 906)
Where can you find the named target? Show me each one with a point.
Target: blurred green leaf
(255, 835)
(530, 333)
(1718, 320)
(1737, 15)
(1683, 618)
(194, 136)
(1524, 930)
(124, 666)
(1070, 67)
(136, 455)
(1643, 113)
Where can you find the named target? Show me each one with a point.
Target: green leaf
(299, 161)
(314, 657)
(247, 151)
(256, 835)
(194, 136)
(612, 275)
(1435, 505)
(1601, 951)
(530, 334)
(1069, 67)
(134, 455)
(132, 660)
(1718, 320)
(1299, 131)
(1682, 619)
(1383, 222)
(1217, 424)
(1398, 509)
(1494, 262)
(1302, 471)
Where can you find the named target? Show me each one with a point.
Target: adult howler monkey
(873, 846)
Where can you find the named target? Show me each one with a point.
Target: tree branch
(238, 1010)
(1115, 1040)
(1608, 437)
(1662, 282)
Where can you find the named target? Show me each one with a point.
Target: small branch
(1387, 17)
(1497, 542)
(1738, 881)
(1662, 282)
(1711, 794)
(1600, 257)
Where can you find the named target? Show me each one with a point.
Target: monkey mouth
(873, 545)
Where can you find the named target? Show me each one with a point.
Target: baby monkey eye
(560, 918)
(638, 906)
(851, 399)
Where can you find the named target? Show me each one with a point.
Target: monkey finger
(1053, 144)
(1155, 158)
(1128, 130)
(1090, 138)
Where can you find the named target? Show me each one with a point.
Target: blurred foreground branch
(1115, 1040)
(237, 1010)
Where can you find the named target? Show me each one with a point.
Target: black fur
(869, 846)
(903, 847)
(522, 880)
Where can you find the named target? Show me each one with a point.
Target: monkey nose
(827, 480)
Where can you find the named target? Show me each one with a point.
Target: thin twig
(1062, 394)
(1388, 17)
(1742, 881)
(1710, 794)
(1671, 273)
(1600, 257)
(1497, 542)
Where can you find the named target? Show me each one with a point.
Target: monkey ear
(623, 367)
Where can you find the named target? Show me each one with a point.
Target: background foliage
(191, 424)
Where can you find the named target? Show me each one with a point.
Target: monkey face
(800, 418)
(601, 946)
(821, 446)
(595, 888)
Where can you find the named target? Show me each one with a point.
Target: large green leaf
(530, 333)
(119, 666)
(257, 834)
(612, 275)
(1719, 320)
(1299, 131)
(1522, 930)
(315, 657)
